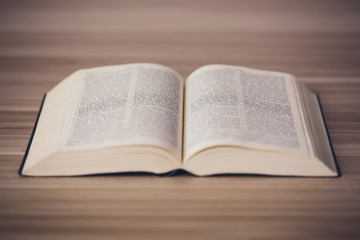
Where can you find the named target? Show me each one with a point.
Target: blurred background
(58, 37)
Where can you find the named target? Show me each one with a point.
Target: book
(145, 117)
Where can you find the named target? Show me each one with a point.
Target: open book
(146, 118)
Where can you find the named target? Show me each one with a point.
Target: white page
(236, 106)
(135, 104)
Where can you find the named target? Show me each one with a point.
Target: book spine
(328, 135)
(31, 137)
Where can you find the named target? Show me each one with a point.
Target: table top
(41, 42)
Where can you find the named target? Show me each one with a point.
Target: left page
(105, 107)
(137, 104)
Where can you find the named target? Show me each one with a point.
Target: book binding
(31, 137)
(328, 135)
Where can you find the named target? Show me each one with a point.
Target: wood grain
(41, 42)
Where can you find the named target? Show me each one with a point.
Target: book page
(138, 104)
(235, 106)
(126, 105)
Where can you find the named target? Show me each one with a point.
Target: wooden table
(41, 42)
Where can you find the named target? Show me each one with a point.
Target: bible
(145, 117)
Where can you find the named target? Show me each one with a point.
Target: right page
(229, 107)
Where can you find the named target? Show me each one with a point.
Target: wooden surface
(41, 42)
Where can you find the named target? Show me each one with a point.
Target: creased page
(133, 104)
(235, 106)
